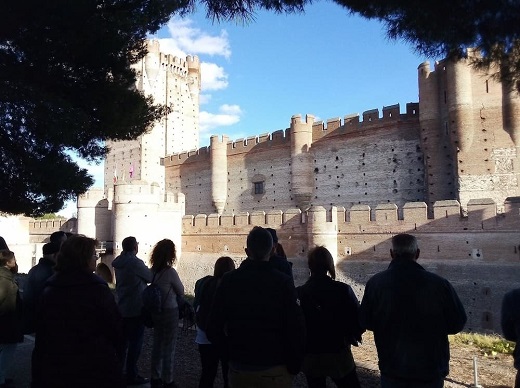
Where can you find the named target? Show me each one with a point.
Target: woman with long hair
(210, 355)
(79, 340)
(331, 315)
(167, 321)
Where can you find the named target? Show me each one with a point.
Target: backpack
(206, 294)
(152, 302)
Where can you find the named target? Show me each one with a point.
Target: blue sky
(323, 62)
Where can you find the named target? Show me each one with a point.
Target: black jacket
(256, 315)
(331, 312)
(33, 290)
(411, 312)
(511, 321)
(79, 337)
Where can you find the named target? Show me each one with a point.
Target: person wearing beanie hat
(35, 284)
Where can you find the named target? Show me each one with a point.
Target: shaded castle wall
(479, 253)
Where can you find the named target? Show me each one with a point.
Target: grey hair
(404, 246)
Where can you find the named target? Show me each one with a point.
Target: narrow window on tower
(258, 187)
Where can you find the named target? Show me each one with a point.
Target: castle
(445, 170)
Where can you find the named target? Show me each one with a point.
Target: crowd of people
(251, 320)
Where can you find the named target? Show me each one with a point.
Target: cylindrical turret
(219, 172)
(320, 232)
(434, 135)
(460, 102)
(302, 184)
(194, 73)
(511, 111)
(94, 218)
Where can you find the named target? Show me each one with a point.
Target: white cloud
(185, 38)
(213, 77)
(227, 115)
(204, 98)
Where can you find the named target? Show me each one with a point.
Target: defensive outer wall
(479, 253)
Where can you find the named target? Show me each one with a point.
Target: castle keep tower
(171, 81)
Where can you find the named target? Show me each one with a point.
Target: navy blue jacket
(256, 315)
(511, 320)
(33, 290)
(411, 312)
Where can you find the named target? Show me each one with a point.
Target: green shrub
(489, 344)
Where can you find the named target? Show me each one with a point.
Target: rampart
(478, 252)
(40, 230)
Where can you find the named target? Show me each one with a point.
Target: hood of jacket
(123, 260)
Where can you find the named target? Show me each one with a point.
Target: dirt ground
(493, 372)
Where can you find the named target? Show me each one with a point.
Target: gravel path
(187, 364)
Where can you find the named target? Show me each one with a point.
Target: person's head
(3, 244)
(50, 250)
(163, 255)
(104, 273)
(320, 262)
(77, 253)
(130, 244)
(222, 265)
(404, 246)
(259, 244)
(58, 237)
(7, 259)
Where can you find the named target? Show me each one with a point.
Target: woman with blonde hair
(167, 321)
(331, 314)
(79, 340)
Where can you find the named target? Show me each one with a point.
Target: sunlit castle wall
(145, 212)
(343, 162)
(171, 81)
(94, 216)
(470, 126)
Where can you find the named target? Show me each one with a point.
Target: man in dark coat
(35, 283)
(411, 312)
(511, 325)
(256, 314)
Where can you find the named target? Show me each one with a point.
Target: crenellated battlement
(481, 214)
(349, 123)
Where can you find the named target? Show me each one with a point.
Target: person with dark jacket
(78, 339)
(35, 283)
(10, 313)
(132, 276)
(510, 321)
(411, 312)
(331, 312)
(277, 258)
(256, 315)
(210, 355)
